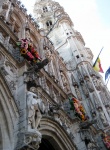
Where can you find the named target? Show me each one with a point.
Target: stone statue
(96, 82)
(85, 90)
(108, 110)
(35, 108)
(27, 34)
(49, 55)
(89, 85)
(64, 80)
(102, 116)
(78, 93)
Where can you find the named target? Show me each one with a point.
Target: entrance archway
(45, 144)
(54, 137)
(48, 143)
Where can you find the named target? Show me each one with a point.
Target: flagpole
(98, 56)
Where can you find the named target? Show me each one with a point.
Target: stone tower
(86, 84)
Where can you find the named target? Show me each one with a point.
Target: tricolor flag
(107, 73)
(97, 66)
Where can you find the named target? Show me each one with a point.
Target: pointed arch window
(45, 9)
(49, 23)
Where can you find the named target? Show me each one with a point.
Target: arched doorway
(48, 143)
(45, 144)
(54, 137)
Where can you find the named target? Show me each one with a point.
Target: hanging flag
(107, 73)
(97, 66)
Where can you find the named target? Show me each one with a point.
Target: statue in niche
(64, 80)
(4, 11)
(90, 86)
(35, 110)
(96, 83)
(102, 116)
(78, 93)
(49, 55)
(27, 34)
(85, 89)
(108, 109)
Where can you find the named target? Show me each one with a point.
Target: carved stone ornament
(57, 117)
(30, 139)
(3, 14)
(29, 77)
(5, 5)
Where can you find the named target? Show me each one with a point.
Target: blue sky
(92, 19)
(104, 11)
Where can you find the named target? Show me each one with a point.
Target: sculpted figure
(78, 93)
(102, 116)
(108, 110)
(90, 86)
(49, 55)
(35, 106)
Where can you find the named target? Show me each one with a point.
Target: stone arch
(8, 115)
(54, 133)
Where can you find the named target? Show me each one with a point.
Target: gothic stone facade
(34, 107)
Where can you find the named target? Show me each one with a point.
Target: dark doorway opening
(46, 145)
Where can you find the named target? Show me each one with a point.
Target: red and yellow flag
(97, 66)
